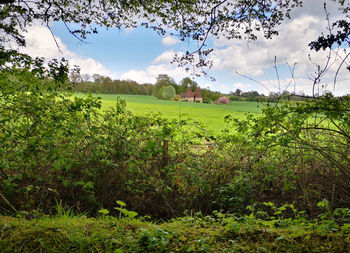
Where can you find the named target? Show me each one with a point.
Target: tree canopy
(187, 19)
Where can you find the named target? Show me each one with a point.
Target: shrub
(206, 100)
(168, 92)
(222, 100)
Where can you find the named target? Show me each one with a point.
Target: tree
(198, 19)
(97, 78)
(162, 81)
(238, 92)
(342, 36)
(222, 100)
(187, 82)
(75, 77)
(250, 95)
(168, 92)
(86, 77)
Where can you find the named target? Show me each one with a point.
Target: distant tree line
(100, 84)
(166, 88)
(239, 95)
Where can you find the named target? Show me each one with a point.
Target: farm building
(191, 96)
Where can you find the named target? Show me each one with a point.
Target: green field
(210, 115)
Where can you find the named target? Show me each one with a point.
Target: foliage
(124, 211)
(222, 100)
(58, 147)
(187, 82)
(199, 19)
(310, 140)
(168, 92)
(162, 81)
(341, 36)
(107, 86)
(210, 96)
(196, 233)
(319, 127)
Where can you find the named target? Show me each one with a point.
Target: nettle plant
(122, 210)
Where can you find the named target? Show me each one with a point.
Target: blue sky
(119, 50)
(141, 55)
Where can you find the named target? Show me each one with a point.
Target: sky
(141, 55)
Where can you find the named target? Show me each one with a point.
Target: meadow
(211, 116)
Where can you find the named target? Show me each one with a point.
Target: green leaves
(124, 211)
(103, 211)
(121, 203)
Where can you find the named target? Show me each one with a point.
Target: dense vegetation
(197, 233)
(240, 189)
(56, 148)
(105, 85)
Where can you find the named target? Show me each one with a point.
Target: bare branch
(53, 36)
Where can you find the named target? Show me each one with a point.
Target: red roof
(189, 93)
(198, 93)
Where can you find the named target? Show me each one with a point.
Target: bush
(206, 100)
(222, 100)
(168, 92)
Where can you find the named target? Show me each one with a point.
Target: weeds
(197, 233)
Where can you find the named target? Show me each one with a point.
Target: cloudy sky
(142, 55)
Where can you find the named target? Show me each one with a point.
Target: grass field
(210, 115)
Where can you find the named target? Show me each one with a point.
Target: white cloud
(241, 85)
(224, 88)
(256, 59)
(206, 86)
(161, 65)
(139, 76)
(167, 57)
(169, 41)
(41, 43)
(150, 74)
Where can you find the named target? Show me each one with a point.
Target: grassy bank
(210, 115)
(189, 234)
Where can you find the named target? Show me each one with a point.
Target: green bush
(168, 92)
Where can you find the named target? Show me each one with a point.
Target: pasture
(210, 115)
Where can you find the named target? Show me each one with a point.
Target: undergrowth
(66, 232)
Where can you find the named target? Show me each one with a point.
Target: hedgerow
(58, 148)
